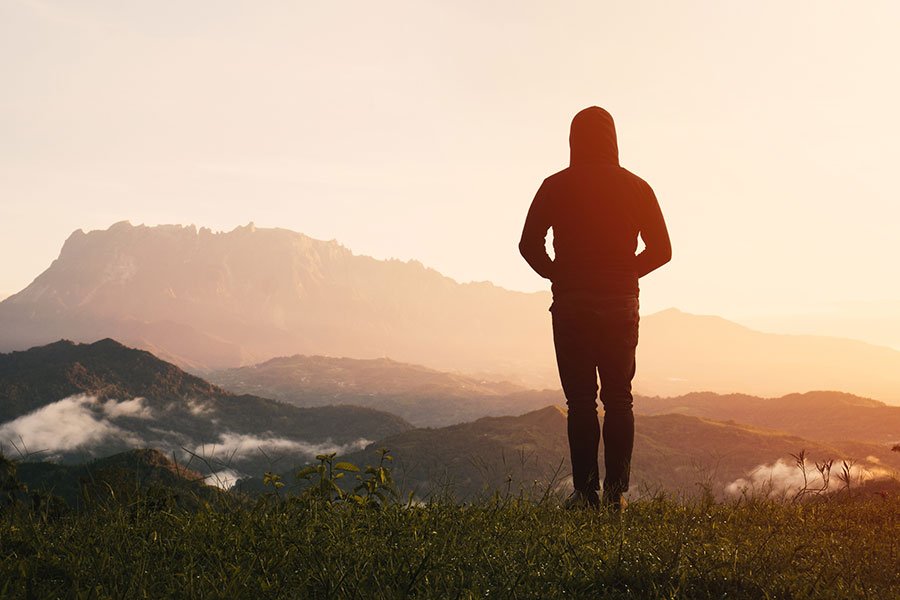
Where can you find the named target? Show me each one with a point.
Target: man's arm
(534, 235)
(657, 246)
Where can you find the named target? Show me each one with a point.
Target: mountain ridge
(252, 294)
(209, 301)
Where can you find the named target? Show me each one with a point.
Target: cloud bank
(85, 425)
(786, 478)
(239, 444)
(223, 479)
(73, 423)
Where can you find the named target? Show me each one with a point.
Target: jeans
(598, 337)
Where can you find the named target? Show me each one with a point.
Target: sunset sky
(769, 131)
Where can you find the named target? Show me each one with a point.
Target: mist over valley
(448, 433)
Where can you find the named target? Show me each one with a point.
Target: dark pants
(592, 337)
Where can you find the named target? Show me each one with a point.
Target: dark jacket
(597, 209)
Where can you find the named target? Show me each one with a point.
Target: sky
(421, 130)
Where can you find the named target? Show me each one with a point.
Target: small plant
(324, 478)
(10, 486)
(376, 487)
(846, 476)
(824, 470)
(273, 480)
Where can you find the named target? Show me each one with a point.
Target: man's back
(596, 212)
(597, 209)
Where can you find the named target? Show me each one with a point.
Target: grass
(496, 548)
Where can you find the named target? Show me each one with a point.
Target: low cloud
(239, 444)
(223, 479)
(198, 407)
(72, 423)
(83, 423)
(786, 478)
(127, 408)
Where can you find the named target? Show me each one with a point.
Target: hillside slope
(126, 477)
(673, 453)
(424, 397)
(77, 401)
(815, 415)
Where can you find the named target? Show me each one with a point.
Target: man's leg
(572, 337)
(616, 366)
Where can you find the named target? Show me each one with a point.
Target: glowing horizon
(421, 131)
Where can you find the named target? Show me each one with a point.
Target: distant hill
(681, 353)
(315, 375)
(815, 415)
(106, 369)
(124, 477)
(674, 453)
(429, 398)
(207, 300)
(422, 396)
(78, 401)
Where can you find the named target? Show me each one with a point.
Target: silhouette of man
(597, 209)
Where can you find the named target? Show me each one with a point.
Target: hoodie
(592, 138)
(597, 210)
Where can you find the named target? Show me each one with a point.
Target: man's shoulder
(635, 178)
(558, 176)
(607, 173)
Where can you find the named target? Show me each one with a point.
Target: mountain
(674, 453)
(422, 396)
(873, 321)
(207, 300)
(217, 300)
(815, 415)
(77, 401)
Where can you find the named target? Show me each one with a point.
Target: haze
(422, 129)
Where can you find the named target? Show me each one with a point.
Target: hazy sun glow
(422, 129)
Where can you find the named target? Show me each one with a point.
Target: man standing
(597, 209)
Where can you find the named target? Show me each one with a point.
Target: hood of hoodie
(592, 138)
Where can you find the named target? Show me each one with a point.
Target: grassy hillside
(148, 528)
(501, 548)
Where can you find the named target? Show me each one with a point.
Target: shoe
(614, 503)
(579, 500)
